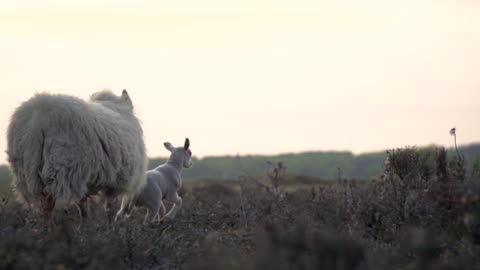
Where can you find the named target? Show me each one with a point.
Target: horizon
(264, 77)
(451, 148)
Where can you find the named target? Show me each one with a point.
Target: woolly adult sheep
(63, 149)
(163, 183)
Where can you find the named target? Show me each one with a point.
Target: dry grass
(414, 221)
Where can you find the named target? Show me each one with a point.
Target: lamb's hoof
(168, 218)
(121, 217)
(148, 224)
(159, 222)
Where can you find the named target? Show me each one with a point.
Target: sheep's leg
(177, 204)
(47, 204)
(109, 203)
(83, 205)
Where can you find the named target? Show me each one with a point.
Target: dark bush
(422, 214)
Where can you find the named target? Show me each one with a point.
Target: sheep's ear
(187, 144)
(126, 97)
(169, 146)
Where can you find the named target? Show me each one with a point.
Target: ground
(271, 222)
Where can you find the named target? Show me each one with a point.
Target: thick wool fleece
(63, 148)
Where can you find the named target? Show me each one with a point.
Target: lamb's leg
(177, 204)
(161, 213)
(124, 211)
(152, 212)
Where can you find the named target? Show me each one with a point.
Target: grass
(424, 213)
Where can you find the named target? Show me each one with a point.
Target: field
(423, 213)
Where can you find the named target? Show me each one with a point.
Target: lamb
(163, 183)
(62, 149)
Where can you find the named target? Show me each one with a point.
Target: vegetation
(423, 213)
(324, 165)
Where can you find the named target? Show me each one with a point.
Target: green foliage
(324, 165)
(311, 164)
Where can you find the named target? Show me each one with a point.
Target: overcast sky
(256, 76)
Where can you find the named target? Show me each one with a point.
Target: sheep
(163, 183)
(62, 149)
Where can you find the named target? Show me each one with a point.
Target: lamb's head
(120, 103)
(180, 155)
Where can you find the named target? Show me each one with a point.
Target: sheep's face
(180, 155)
(114, 102)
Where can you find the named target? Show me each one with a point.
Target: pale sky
(256, 76)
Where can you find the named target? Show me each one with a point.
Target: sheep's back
(66, 148)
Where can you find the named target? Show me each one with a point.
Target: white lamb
(163, 183)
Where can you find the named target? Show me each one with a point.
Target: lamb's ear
(126, 97)
(169, 146)
(187, 144)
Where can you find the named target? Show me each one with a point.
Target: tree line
(315, 164)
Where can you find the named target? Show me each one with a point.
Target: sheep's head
(114, 102)
(180, 155)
